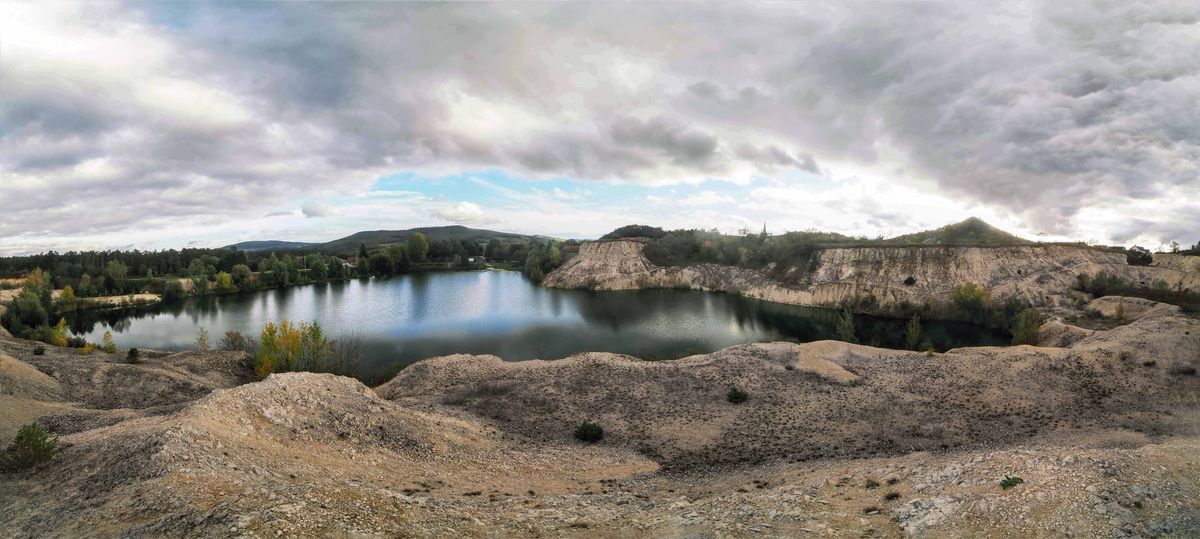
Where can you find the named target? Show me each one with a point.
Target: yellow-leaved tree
(58, 336)
(286, 347)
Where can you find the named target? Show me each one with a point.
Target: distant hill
(270, 245)
(375, 238)
(972, 231)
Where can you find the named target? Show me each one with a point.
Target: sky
(174, 124)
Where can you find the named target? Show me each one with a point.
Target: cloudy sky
(172, 124)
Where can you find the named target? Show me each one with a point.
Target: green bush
(736, 395)
(845, 327)
(972, 301)
(32, 446)
(172, 291)
(589, 431)
(39, 350)
(1026, 327)
(1010, 482)
(912, 333)
(133, 356)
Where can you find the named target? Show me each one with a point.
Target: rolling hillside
(375, 238)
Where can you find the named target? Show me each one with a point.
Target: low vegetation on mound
(31, 447)
(1108, 284)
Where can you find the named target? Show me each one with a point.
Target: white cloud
(466, 213)
(313, 209)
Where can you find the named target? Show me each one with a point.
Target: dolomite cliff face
(1038, 274)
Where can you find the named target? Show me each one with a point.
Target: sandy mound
(19, 379)
(1060, 334)
(836, 439)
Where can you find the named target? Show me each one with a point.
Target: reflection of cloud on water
(407, 318)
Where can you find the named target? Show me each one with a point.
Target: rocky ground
(835, 440)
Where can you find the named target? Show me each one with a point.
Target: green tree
(380, 263)
(32, 446)
(845, 327)
(912, 333)
(241, 274)
(172, 291)
(1026, 329)
(67, 299)
(107, 343)
(116, 270)
(972, 301)
(418, 248)
(492, 251)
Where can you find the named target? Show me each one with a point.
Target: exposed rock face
(1039, 275)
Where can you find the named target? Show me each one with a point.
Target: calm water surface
(408, 318)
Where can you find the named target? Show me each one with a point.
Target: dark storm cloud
(221, 109)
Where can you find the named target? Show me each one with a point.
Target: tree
(1026, 328)
(58, 336)
(196, 267)
(1174, 246)
(172, 291)
(972, 300)
(202, 340)
(67, 299)
(285, 347)
(225, 283)
(492, 251)
(32, 446)
(1138, 256)
(241, 274)
(108, 345)
(380, 263)
(912, 333)
(418, 248)
(845, 327)
(116, 270)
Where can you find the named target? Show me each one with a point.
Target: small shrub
(736, 395)
(133, 356)
(871, 483)
(109, 346)
(76, 342)
(912, 333)
(589, 431)
(1150, 363)
(39, 350)
(202, 340)
(32, 446)
(1010, 482)
(891, 496)
(929, 350)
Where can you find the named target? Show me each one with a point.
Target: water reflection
(408, 318)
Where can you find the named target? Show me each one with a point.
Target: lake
(404, 319)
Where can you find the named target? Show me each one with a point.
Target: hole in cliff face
(910, 280)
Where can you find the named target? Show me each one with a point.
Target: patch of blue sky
(498, 188)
